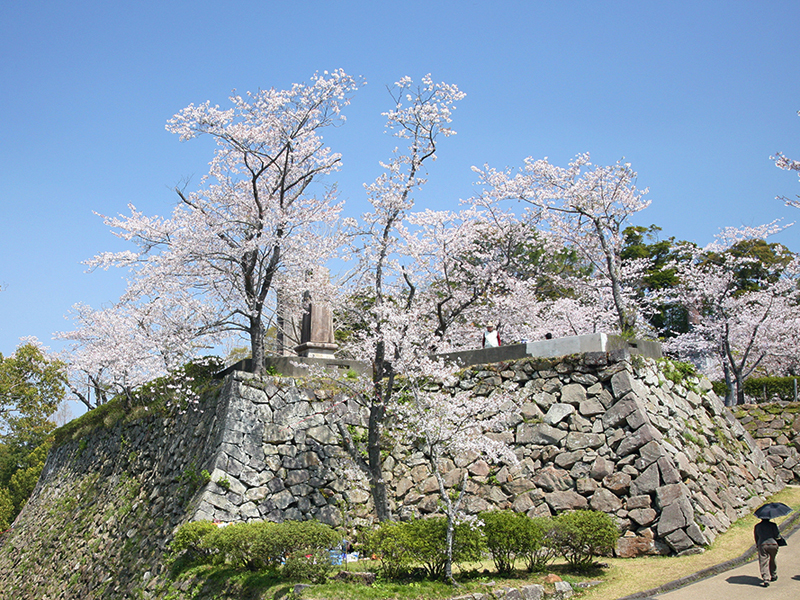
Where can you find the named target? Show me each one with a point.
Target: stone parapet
(577, 344)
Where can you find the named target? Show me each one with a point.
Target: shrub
(423, 542)
(189, 538)
(506, 533)
(389, 542)
(583, 535)
(764, 389)
(302, 536)
(538, 548)
(235, 545)
(6, 509)
(308, 565)
(261, 546)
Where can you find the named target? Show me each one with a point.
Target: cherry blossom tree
(387, 340)
(257, 223)
(459, 265)
(585, 206)
(445, 423)
(739, 325)
(117, 349)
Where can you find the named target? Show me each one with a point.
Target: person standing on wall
(491, 337)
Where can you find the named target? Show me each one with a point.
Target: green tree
(6, 509)
(756, 263)
(31, 389)
(639, 242)
(584, 535)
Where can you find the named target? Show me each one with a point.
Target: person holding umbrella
(768, 539)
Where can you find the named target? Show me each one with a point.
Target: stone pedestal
(316, 331)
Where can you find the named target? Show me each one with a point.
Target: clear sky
(696, 95)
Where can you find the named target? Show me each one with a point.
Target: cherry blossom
(255, 225)
(585, 206)
(735, 330)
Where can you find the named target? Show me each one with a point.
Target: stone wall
(775, 427)
(605, 431)
(608, 431)
(105, 507)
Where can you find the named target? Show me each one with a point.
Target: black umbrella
(772, 510)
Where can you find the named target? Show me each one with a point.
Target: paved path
(744, 582)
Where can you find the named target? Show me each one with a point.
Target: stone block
(566, 500)
(669, 494)
(591, 407)
(648, 481)
(563, 590)
(565, 460)
(532, 592)
(631, 547)
(557, 413)
(601, 467)
(605, 501)
(580, 441)
(573, 394)
(539, 434)
(673, 516)
(669, 474)
(618, 483)
(646, 433)
(329, 515)
(679, 541)
(552, 479)
(619, 412)
(586, 486)
(621, 384)
(643, 516)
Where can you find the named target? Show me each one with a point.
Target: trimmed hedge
(402, 545)
(300, 546)
(764, 389)
(300, 550)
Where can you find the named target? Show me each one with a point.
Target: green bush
(6, 509)
(308, 565)
(235, 545)
(294, 536)
(189, 538)
(583, 535)
(506, 533)
(764, 389)
(258, 546)
(538, 549)
(423, 542)
(720, 389)
(389, 541)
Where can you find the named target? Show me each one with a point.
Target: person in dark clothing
(767, 534)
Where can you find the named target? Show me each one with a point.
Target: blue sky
(696, 95)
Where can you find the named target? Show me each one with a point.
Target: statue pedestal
(316, 350)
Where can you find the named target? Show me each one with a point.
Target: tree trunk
(377, 483)
(729, 401)
(257, 349)
(739, 387)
